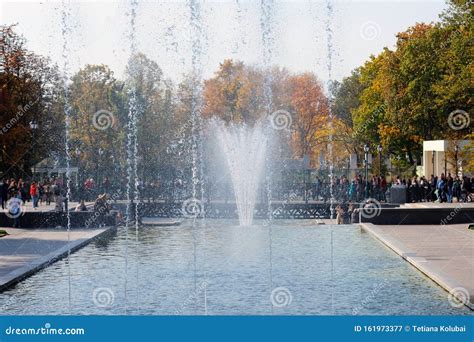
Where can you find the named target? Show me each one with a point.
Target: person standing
(48, 192)
(24, 190)
(449, 184)
(383, 187)
(440, 187)
(14, 208)
(34, 193)
(2, 198)
(352, 190)
(457, 188)
(4, 192)
(339, 215)
(12, 189)
(433, 186)
(89, 187)
(58, 198)
(106, 185)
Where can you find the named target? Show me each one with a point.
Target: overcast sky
(100, 31)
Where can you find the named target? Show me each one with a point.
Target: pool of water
(219, 268)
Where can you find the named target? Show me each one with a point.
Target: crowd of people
(50, 190)
(47, 191)
(443, 188)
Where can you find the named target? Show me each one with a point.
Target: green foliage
(93, 91)
(346, 94)
(405, 96)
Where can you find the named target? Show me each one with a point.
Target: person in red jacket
(34, 193)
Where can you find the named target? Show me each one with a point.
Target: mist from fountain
(244, 148)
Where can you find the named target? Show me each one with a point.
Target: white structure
(50, 167)
(438, 156)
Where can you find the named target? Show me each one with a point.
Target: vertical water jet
(244, 148)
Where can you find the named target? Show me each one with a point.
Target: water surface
(220, 268)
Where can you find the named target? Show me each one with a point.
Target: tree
(96, 122)
(29, 91)
(309, 106)
(406, 95)
(346, 97)
(235, 93)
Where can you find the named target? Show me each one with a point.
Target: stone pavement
(438, 205)
(445, 253)
(25, 251)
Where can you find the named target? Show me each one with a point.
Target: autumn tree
(235, 93)
(309, 106)
(30, 90)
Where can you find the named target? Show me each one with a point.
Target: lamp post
(456, 150)
(445, 163)
(78, 155)
(99, 174)
(379, 149)
(34, 126)
(115, 170)
(433, 161)
(366, 162)
(4, 153)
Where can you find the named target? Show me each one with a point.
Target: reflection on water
(315, 270)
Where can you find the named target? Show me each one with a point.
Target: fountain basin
(220, 268)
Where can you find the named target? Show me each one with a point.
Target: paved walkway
(25, 251)
(43, 207)
(435, 205)
(445, 253)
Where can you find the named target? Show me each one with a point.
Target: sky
(100, 32)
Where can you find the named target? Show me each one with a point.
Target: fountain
(244, 147)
